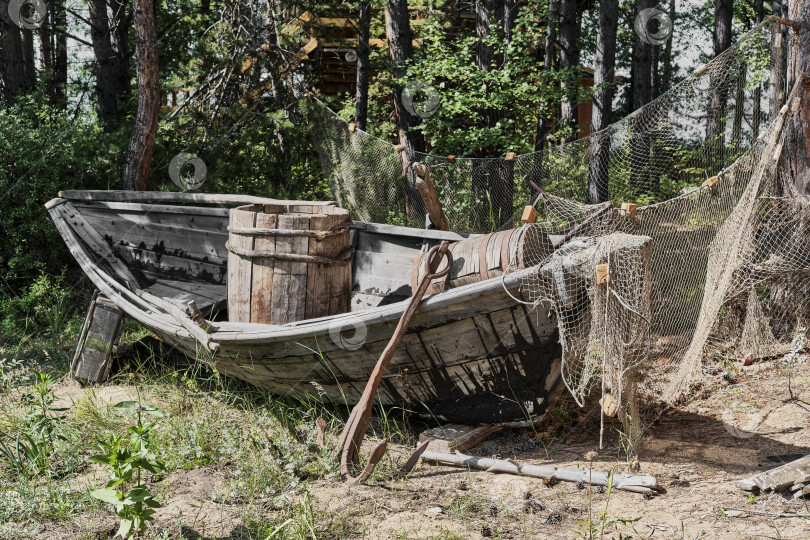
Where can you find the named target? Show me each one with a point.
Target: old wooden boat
(472, 353)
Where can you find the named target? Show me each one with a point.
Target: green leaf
(107, 495)
(125, 528)
(104, 460)
(126, 405)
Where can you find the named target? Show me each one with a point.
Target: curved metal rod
(355, 429)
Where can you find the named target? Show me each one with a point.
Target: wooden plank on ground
(779, 478)
(456, 437)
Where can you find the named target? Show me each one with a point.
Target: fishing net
(702, 256)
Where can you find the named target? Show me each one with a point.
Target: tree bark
(642, 64)
(29, 59)
(400, 47)
(46, 50)
(107, 69)
(718, 100)
(569, 59)
(13, 61)
(120, 40)
(666, 80)
(602, 114)
(142, 143)
(484, 53)
(363, 67)
(778, 44)
(796, 164)
(756, 112)
(60, 60)
(549, 64)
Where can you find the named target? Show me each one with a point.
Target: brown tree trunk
(400, 47)
(60, 59)
(142, 143)
(603, 100)
(120, 41)
(718, 100)
(642, 64)
(484, 13)
(46, 50)
(29, 59)
(107, 69)
(549, 64)
(796, 164)
(363, 67)
(13, 61)
(666, 78)
(757, 98)
(569, 59)
(643, 177)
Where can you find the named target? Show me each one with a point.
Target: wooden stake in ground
(357, 424)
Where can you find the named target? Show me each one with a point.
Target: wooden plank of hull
(201, 237)
(484, 336)
(381, 274)
(488, 368)
(208, 297)
(517, 386)
(335, 333)
(163, 265)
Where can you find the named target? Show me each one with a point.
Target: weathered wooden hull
(472, 354)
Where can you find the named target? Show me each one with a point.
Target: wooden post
(602, 274)
(711, 182)
(628, 209)
(431, 198)
(529, 214)
(97, 341)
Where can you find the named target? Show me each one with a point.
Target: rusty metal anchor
(355, 430)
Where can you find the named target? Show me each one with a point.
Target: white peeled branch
(628, 482)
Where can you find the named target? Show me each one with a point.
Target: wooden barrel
(288, 266)
(488, 256)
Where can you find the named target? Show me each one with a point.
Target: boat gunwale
(250, 333)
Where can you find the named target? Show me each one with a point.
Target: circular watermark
(420, 99)
(645, 19)
(187, 171)
(351, 56)
(36, 12)
(348, 335)
(741, 424)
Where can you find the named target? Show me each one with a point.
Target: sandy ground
(697, 452)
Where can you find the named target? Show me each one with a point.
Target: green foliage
(32, 451)
(46, 304)
(43, 150)
(129, 460)
(486, 112)
(604, 520)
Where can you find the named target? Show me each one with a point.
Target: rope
(344, 258)
(317, 235)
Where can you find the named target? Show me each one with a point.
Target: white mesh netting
(711, 260)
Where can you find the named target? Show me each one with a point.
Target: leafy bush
(44, 150)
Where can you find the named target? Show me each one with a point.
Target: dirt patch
(697, 452)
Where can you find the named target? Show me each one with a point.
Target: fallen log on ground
(780, 478)
(626, 482)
